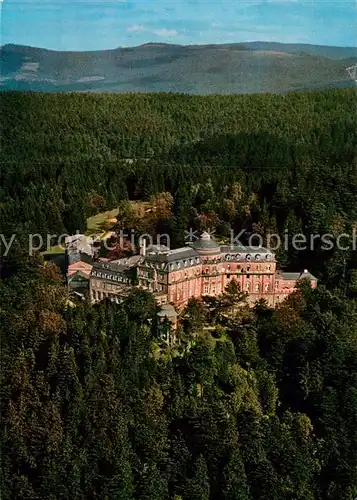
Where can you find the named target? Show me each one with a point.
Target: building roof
(81, 266)
(132, 261)
(287, 276)
(172, 255)
(206, 243)
(306, 275)
(110, 266)
(241, 253)
(111, 272)
(157, 248)
(244, 249)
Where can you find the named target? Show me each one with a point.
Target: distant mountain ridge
(197, 69)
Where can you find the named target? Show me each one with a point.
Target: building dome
(206, 244)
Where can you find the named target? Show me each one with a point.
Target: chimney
(143, 247)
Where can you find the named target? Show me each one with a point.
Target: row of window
(249, 268)
(249, 257)
(257, 286)
(185, 275)
(185, 263)
(112, 277)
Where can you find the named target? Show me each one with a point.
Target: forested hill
(95, 406)
(272, 162)
(243, 404)
(195, 69)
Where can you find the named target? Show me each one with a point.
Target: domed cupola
(206, 245)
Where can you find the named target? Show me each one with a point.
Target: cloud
(165, 32)
(135, 28)
(98, 24)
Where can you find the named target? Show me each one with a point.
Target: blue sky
(93, 24)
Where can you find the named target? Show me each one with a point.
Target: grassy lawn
(95, 226)
(96, 222)
(56, 250)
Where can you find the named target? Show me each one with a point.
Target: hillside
(195, 69)
(241, 404)
(63, 152)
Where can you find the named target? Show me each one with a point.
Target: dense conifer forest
(259, 404)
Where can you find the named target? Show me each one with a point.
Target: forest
(263, 163)
(258, 405)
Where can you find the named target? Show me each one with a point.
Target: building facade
(205, 269)
(78, 277)
(109, 280)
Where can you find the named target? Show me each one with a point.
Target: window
(267, 287)
(257, 287)
(247, 286)
(206, 289)
(228, 276)
(248, 269)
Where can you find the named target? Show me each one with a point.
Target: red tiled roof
(79, 266)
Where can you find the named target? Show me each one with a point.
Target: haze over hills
(198, 69)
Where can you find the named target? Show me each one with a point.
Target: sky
(106, 24)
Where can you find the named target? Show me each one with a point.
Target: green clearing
(55, 250)
(97, 224)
